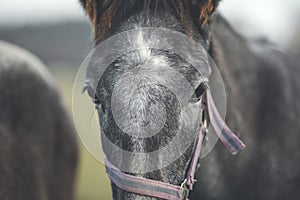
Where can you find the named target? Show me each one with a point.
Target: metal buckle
(205, 123)
(185, 189)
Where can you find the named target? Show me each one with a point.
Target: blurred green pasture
(92, 182)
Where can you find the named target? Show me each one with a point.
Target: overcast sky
(273, 18)
(26, 11)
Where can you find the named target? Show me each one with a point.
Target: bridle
(158, 189)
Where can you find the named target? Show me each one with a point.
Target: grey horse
(262, 87)
(38, 148)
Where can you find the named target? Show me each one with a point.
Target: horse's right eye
(200, 90)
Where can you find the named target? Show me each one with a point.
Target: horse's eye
(199, 92)
(91, 92)
(96, 100)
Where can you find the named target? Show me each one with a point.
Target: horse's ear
(205, 8)
(100, 13)
(92, 7)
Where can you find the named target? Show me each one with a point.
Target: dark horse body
(263, 91)
(38, 151)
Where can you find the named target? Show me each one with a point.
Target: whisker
(73, 81)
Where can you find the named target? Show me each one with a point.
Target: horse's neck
(229, 49)
(234, 58)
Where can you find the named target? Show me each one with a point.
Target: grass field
(92, 182)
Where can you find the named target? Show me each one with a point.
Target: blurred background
(58, 32)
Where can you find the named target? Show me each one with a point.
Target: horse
(263, 103)
(38, 148)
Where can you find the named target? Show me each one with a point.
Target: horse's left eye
(96, 100)
(199, 92)
(91, 92)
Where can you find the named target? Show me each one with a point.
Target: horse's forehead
(154, 53)
(143, 68)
